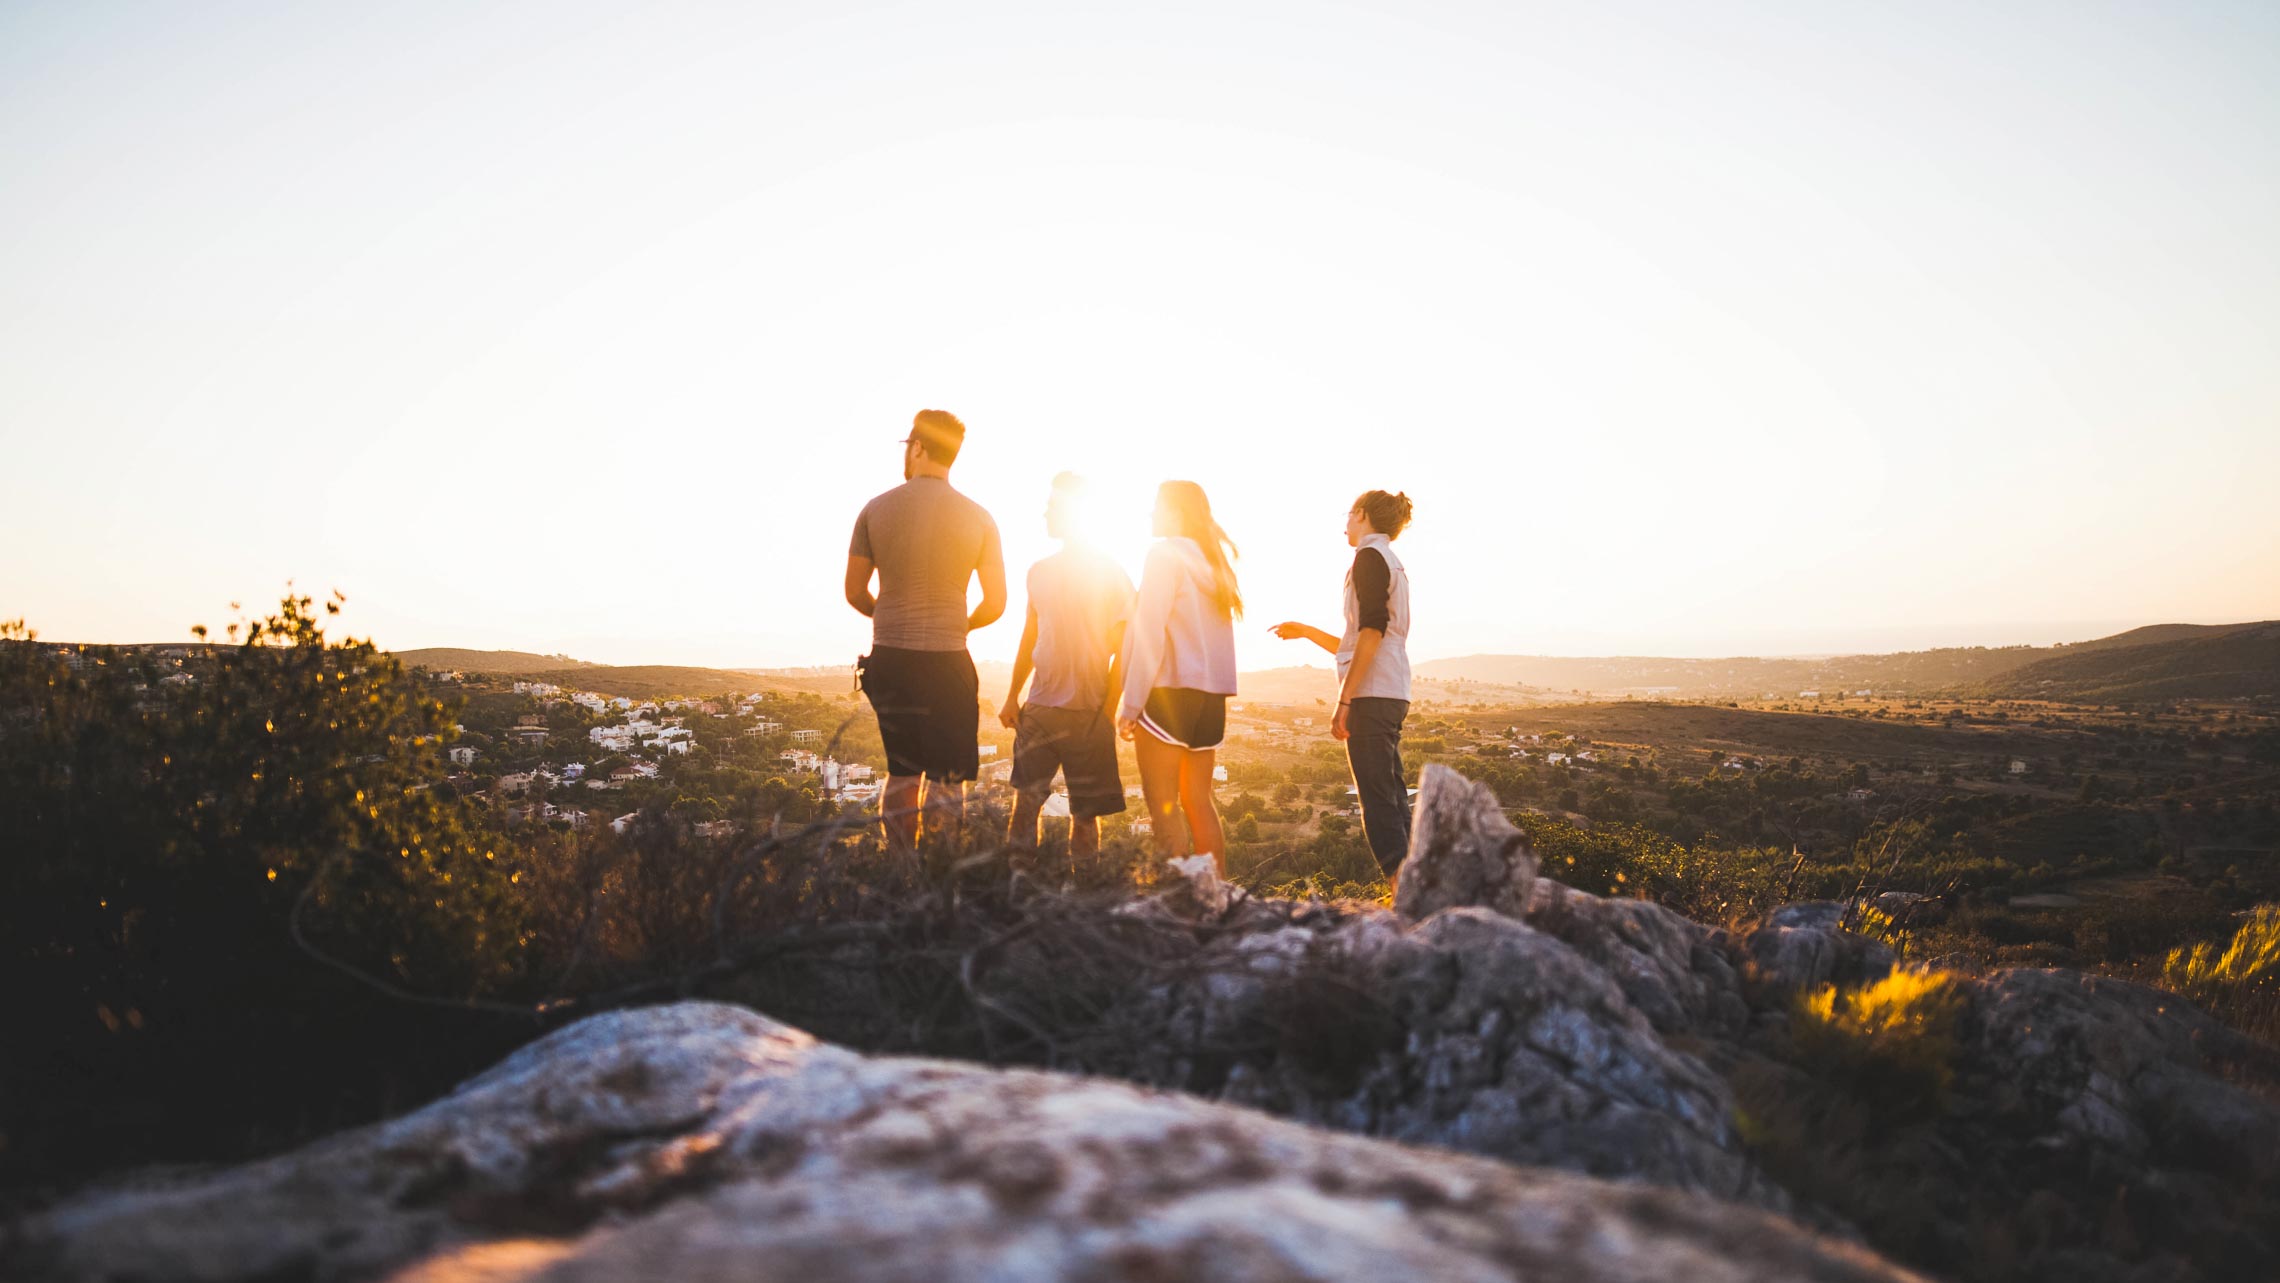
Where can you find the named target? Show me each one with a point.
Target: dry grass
(2238, 983)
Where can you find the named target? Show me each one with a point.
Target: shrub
(171, 826)
(2239, 983)
(1893, 1041)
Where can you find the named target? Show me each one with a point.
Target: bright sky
(1689, 329)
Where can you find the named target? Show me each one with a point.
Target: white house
(574, 770)
(2018, 766)
(987, 751)
(807, 737)
(624, 822)
(463, 755)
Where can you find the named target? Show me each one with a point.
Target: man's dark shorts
(930, 711)
(1080, 743)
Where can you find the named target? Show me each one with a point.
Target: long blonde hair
(1191, 516)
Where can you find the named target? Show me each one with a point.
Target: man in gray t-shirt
(1079, 603)
(925, 542)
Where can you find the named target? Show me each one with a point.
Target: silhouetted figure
(925, 541)
(1079, 603)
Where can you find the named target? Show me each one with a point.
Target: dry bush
(2240, 983)
(1893, 1041)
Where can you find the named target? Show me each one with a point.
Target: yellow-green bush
(2239, 983)
(1893, 1041)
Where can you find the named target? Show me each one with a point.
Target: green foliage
(1700, 880)
(169, 817)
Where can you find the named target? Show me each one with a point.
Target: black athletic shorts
(1078, 742)
(1186, 718)
(930, 711)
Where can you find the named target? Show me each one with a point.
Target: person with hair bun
(1373, 670)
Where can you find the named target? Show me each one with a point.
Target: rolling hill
(2161, 661)
(2234, 661)
(507, 662)
(1742, 677)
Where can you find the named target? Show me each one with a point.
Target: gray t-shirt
(1080, 596)
(927, 541)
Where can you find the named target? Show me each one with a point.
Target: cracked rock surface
(702, 1141)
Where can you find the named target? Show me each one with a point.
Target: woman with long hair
(1179, 669)
(1373, 670)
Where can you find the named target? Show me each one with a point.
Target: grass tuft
(1893, 1041)
(2239, 983)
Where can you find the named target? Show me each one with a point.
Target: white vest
(1388, 677)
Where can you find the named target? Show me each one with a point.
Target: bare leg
(1160, 789)
(898, 811)
(945, 809)
(1084, 838)
(1021, 828)
(1202, 809)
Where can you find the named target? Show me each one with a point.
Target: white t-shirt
(1080, 596)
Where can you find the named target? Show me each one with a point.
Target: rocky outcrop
(1805, 946)
(1462, 851)
(2092, 1130)
(700, 1141)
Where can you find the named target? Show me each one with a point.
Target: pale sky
(1691, 329)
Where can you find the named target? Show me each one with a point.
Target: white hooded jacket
(1178, 637)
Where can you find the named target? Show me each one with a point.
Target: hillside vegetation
(507, 662)
(652, 681)
(2240, 661)
(2157, 662)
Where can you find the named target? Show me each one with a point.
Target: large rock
(2097, 1064)
(1470, 1030)
(1462, 851)
(1676, 971)
(699, 1142)
(1805, 946)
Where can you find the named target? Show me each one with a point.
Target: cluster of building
(668, 736)
(842, 781)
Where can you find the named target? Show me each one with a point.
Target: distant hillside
(2234, 661)
(2154, 633)
(654, 681)
(517, 662)
(1740, 677)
